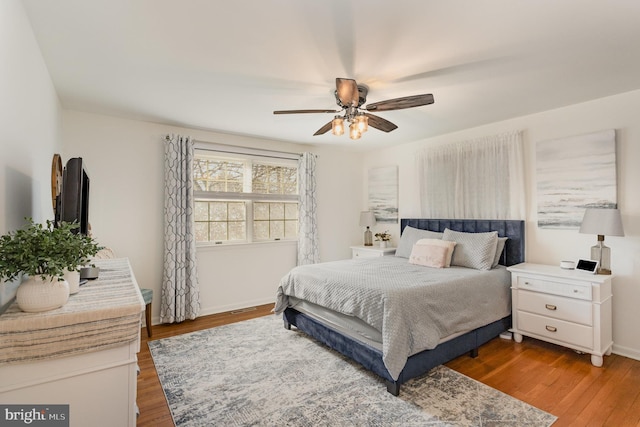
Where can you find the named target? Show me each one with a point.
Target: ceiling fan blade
(400, 103)
(324, 129)
(380, 123)
(304, 111)
(347, 92)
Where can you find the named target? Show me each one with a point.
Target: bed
(396, 318)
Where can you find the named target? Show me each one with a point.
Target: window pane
(218, 211)
(290, 229)
(291, 211)
(237, 211)
(277, 229)
(202, 231)
(201, 211)
(261, 230)
(218, 231)
(237, 230)
(276, 211)
(260, 211)
(272, 179)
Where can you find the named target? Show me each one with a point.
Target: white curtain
(476, 179)
(308, 228)
(180, 299)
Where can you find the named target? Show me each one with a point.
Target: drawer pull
(550, 307)
(551, 328)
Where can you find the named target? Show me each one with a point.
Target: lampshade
(337, 126)
(367, 219)
(603, 222)
(354, 132)
(363, 123)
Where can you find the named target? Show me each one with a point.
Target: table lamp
(367, 219)
(602, 222)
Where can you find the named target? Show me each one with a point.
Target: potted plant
(383, 238)
(44, 254)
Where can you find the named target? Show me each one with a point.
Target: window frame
(249, 198)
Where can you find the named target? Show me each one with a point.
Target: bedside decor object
(44, 254)
(367, 219)
(567, 265)
(383, 238)
(602, 222)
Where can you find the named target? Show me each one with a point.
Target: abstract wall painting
(383, 193)
(573, 174)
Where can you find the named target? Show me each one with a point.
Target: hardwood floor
(552, 378)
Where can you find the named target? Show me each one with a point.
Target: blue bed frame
(420, 363)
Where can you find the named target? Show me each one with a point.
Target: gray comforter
(413, 307)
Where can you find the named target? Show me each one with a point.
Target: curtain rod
(236, 149)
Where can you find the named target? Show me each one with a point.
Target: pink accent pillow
(429, 255)
(444, 243)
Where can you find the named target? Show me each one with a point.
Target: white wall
(125, 163)
(551, 246)
(30, 123)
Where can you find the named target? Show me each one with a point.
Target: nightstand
(371, 251)
(566, 307)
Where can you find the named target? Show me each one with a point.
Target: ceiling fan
(351, 97)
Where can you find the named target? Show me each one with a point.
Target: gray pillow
(499, 249)
(473, 250)
(409, 238)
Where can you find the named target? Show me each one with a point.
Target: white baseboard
(631, 353)
(204, 311)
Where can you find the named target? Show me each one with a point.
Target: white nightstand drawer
(560, 330)
(573, 290)
(558, 307)
(371, 251)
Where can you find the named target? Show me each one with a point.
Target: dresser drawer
(563, 308)
(566, 288)
(559, 330)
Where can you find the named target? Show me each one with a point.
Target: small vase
(73, 279)
(35, 295)
(383, 243)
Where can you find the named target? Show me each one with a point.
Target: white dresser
(83, 354)
(565, 307)
(371, 251)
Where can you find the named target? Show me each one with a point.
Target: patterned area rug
(256, 373)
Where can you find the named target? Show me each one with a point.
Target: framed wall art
(573, 174)
(383, 193)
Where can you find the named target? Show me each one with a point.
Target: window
(244, 198)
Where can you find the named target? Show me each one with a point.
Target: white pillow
(409, 238)
(473, 250)
(429, 255)
(439, 242)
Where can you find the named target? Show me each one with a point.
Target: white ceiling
(226, 65)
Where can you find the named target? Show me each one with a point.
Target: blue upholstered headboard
(513, 229)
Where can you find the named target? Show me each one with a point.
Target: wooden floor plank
(550, 377)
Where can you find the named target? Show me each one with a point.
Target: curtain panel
(308, 252)
(180, 298)
(477, 179)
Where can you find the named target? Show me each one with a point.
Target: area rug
(256, 373)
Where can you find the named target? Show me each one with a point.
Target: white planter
(73, 279)
(383, 243)
(35, 295)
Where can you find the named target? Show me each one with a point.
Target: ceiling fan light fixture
(337, 126)
(363, 122)
(354, 132)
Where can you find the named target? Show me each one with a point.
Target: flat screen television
(74, 197)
